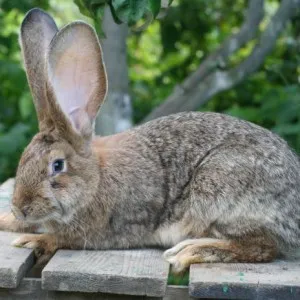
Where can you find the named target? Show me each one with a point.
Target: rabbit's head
(58, 173)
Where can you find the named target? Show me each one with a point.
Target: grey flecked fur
(212, 172)
(185, 176)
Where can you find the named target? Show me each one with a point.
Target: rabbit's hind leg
(209, 250)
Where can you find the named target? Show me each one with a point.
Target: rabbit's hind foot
(210, 250)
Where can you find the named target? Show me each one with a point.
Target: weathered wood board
(175, 292)
(14, 262)
(143, 273)
(30, 289)
(128, 272)
(276, 280)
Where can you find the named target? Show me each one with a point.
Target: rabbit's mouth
(39, 220)
(28, 215)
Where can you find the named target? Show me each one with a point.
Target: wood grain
(14, 262)
(30, 289)
(276, 280)
(177, 293)
(128, 272)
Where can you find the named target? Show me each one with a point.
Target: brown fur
(252, 250)
(44, 245)
(103, 147)
(8, 222)
(34, 40)
(212, 187)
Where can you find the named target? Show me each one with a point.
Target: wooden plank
(6, 190)
(129, 272)
(175, 292)
(14, 262)
(30, 289)
(276, 280)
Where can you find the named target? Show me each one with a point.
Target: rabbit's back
(222, 174)
(183, 142)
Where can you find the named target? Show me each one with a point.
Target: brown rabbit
(215, 188)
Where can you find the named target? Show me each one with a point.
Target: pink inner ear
(77, 74)
(74, 79)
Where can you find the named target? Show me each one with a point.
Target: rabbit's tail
(207, 250)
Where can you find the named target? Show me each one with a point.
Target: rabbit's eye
(58, 166)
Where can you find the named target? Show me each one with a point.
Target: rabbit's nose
(19, 214)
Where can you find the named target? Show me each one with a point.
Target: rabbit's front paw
(8, 222)
(44, 245)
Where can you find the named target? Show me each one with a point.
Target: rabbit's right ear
(37, 31)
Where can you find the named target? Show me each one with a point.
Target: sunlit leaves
(189, 32)
(154, 6)
(159, 59)
(17, 116)
(129, 11)
(25, 106)
(123, 11)
(93, 9)
(12, 144)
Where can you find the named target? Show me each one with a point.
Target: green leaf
(154, 6)
(114, 15)
(12, 140)
(286, 129)
(83, 8)
(129, 11)
(90, 8)
(93, 9)
(96, 4)
(98, 21)
(25, 105)
(99, 2)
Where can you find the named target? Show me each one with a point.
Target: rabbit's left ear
(77, 78)
(37, 30)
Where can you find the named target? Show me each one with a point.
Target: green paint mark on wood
(241, 274)
(225, 288)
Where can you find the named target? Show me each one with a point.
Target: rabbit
(208, 186)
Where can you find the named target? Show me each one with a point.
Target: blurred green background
(159, 58)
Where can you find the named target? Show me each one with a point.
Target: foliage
(159, 59)
(123, 11)
(168, 51)
(17, 117)
(270, 97)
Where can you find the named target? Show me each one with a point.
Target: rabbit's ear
(37, 31)
(77, 77)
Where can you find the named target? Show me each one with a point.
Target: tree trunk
(116, 112)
